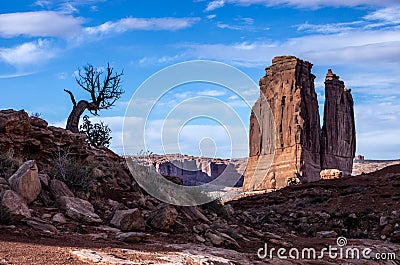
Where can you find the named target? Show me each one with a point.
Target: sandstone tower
(338, 141)
(285, 134)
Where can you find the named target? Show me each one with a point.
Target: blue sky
(43, 43)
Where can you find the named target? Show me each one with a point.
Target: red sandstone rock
(285, 135)
(338, 139)
(291, 139)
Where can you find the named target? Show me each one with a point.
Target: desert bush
(8, 164)
(98, 134)
(76, 174)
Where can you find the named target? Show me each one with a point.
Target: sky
(43, 43)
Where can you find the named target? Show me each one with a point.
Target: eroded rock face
(26, 181)
(286, 141)
(338, 138)
(192, 170)
(293, 146)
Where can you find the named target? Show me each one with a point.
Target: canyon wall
(193, 171)
(286, 141)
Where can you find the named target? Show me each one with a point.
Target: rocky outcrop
(12, 207)
(26, 181)
(338, 139)
(24, 136)
(284, 127)
(286, 142)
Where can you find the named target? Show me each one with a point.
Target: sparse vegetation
(77, 175)
(8, 164)
(36, 114)
(98, 134)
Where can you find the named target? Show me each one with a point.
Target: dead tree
(103, 93)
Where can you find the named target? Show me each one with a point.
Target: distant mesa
(288, 105)
(191, 170)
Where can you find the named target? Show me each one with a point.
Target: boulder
(78, 210)
(331, 174)
(193, 213)
(59, 218)
(4, 185)
(26, 181)
(44, 179)
(128, 220)
(41, 225)
(163, 217)
(13, 207)
(59, 189)
(326, 234)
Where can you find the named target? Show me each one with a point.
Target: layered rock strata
(286, 141)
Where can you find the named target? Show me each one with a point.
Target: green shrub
(97, 134)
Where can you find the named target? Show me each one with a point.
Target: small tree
(103, 93)
(97, 134)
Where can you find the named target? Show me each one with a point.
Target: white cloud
(211, 16)
(39, 24)
(211, 93)
(387, 17)
(378, 128)
(329, 28)
(215, 5)
(126, 24)
(390, 14)
(43, 3)
(68, 8)
(29, 53)
(356, 47)
(302, 3)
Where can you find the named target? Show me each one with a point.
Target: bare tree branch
(103, 92)
(72, 97)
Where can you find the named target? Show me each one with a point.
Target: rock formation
(193, 170)
(338, 141)
(286, 142)
(30, 138)
(288, 88)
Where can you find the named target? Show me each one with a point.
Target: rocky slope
(46, 217)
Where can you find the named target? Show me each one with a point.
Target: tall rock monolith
(338, 136)
(284, 127)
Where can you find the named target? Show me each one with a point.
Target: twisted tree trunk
(75, 115)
